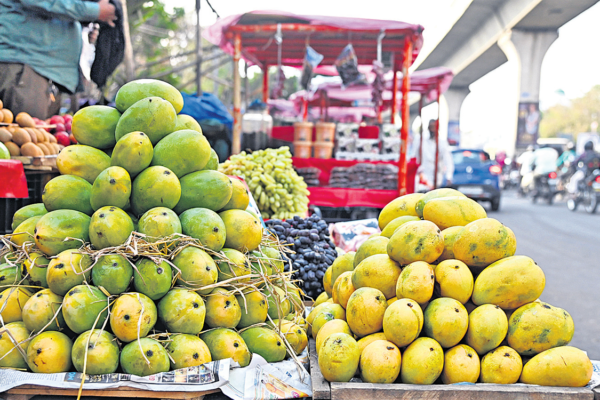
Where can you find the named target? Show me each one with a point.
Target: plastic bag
(347, 66)
(311, 60)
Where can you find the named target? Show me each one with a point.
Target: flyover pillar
(531, 47)
(454, 98)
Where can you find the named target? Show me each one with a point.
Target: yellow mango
(372, 246)
(487, 328)
(321, 299)
(449, 235)
(446, 320)
(447, 212)
(435, 194)
(502, 365)
(416, 241)
(365, 311)
(416, 282)
(342, 264)
(331, 327)
(380, 362)
(343, 289)
(379, 272)
(396, 223)
(327, 284)
(403, 205)
(454, 280)
(561, 366)
(483, 242)
(461, 364)
(423, 362)
(367, 340)
(338, 358)
(536, 327)
(509, 283)
(403, 322)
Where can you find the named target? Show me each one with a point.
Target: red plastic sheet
(340, 197)
(13, 183)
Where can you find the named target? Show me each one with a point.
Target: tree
(573, 119)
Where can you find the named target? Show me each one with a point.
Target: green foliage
(573, 119)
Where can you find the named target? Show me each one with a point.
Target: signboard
(453, 133)
(529, 123)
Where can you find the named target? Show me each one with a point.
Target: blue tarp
(207, 107)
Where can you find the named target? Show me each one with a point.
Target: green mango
(95, 126)
(205, 225)
(155, 187)
(110, 226)
(187, 351)
(204, 189)
(152, 115)
(133, 91)
(159, 222)
(102, 352)
(113, 272)
(265, 343)
(182, 152)
(237, 266)
(83, 161)
(111, 188)
(40, 309)
(213, 162)
(133, 361)
(85, 307)
(186, 122)
(68, 192)
(68, 270)
(196, 269)
(27, 212)
(183, 311)
(9, 275)
(225, 343)
(152, 280)
(25, 232)
(133, 152)
(53, 229)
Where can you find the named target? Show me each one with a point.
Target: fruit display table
(358, 391)
(26, 392)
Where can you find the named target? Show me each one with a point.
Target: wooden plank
(320, 387)
(360, 391)
(126, 392)
(596, 393)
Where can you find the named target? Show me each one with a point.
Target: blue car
(477, 176)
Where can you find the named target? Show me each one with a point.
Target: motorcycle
(544, 186)
(588, 193)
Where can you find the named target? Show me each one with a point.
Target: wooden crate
(41, 163)
(359, 391)
(26, 392)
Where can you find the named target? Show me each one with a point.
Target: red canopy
(327, 35)
(425, 82)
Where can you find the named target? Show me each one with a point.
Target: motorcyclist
(585, 164)
(543, 162)
(525, 170)
(567, 156)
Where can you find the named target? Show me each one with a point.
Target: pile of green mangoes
(440, 296)
(142, 257)
(279, 191)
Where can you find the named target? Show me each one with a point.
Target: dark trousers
(24, 90)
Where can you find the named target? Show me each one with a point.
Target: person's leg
(24, 90)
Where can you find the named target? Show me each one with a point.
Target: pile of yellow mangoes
(440, 296)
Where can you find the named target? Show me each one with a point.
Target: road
(566, 245)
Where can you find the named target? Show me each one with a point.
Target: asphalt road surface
(566, 245)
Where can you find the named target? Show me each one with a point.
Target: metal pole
(406, 62)
(394, 95)
(265, 88)
(246, 86)
(198, 51)
(237, 98)
(421, 129)
(437, 140)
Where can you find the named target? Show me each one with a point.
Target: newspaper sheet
(193, 379)
(261, 380)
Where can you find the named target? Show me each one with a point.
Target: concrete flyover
(489, 33)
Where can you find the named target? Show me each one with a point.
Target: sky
(571, 65)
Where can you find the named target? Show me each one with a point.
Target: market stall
(268, 38)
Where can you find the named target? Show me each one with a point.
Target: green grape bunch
(278, 190)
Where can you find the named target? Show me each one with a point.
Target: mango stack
(142, 257)
(440, 297)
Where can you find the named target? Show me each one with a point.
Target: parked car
(477, 176)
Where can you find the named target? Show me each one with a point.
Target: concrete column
(454, 99)
(530, 48)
